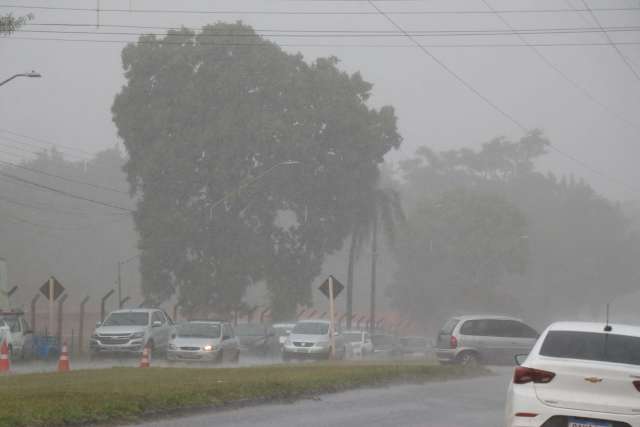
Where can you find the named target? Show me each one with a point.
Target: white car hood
(123, 330)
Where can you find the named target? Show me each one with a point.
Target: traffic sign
(337, 287)
(58, 289)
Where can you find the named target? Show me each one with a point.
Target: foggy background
(71, 104)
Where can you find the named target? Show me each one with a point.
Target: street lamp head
(33, 74)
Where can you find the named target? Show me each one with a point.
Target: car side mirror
(520, 358)
(156, 324)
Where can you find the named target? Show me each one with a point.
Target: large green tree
(206, 119)
(581, 250)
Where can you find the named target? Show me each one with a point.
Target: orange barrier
(145, 361)
(63, 361)
(5, 363)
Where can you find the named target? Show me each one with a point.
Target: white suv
(578, 375)
(17, 332)
(129, 331)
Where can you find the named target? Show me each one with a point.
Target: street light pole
(32, 74)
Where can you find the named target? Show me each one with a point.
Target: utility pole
(119, 284)
(374, 257)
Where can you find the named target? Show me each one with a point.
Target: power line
(565, 76)
(606, 34)
(64, 193)
(44, 141)
(47, 209)
(327, 45)
(63, 178)
(43, 148)
(353, 33)
(490, 103)
(290, 12)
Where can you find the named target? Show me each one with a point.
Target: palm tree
(382, 205)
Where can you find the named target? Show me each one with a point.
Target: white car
(578, 375)
(15, 329)
(359, 342)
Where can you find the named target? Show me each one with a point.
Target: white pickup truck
(14, 328)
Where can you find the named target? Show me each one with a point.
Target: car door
(521, 337)
(160, 333)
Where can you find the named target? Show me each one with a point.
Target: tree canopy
(247, 161)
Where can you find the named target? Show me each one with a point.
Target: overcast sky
(71, 103)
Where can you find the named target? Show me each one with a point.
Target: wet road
(477, 402)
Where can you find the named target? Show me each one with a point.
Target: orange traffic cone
(63, 362)
(5, 363)
(145, 361)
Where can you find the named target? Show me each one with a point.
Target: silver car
(309, 339)
(470, 340)
(204, 341)
(129, 331)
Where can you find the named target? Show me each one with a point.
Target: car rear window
(448, 327)
(601, 347)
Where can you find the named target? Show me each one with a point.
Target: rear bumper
(192, 356)
(523, 399)
(446, 355)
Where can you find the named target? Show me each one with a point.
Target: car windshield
(282, 331)
(198, 330)
(249, 330)
(601, 347)
(311, 328)
(12, 322)
(127, 319)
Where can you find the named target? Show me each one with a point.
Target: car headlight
(138, 334)
(208, 347)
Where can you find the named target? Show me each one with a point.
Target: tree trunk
(374, 257)
(350, 267)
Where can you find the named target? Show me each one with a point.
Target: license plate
(580, 422)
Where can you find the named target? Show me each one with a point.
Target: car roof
(597, 327)
(136, 310)
(213, 322)
(486, 316)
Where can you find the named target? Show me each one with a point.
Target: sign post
(331, 288)
(52, 289)
(50, 306)
(332, 326)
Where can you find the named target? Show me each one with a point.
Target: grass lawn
(126, 394)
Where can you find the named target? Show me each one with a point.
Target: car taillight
(637, 384)
(524, 375)
(453, 342)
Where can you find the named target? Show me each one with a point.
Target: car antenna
(607, 326)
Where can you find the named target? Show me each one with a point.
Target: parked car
(203, 341)
(129, 331)
(470, 340)
(19, 334)
(309, 339)
(359, 343)
(385, 345)
(282, 331)
(414, 347)
(257, 339)
(578, 375)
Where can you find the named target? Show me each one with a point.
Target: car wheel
(469, 359)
